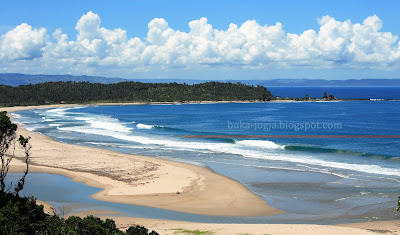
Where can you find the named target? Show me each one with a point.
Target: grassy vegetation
(192, 232)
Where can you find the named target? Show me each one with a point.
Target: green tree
(325, 96)
(84, 92)
(139, 230)
(21, 215)
(7, 151)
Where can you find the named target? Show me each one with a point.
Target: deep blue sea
(338, 92)
(314, 180)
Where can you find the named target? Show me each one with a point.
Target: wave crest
(265, 144)
(144, 126)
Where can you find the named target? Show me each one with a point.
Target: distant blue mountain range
(15, 79)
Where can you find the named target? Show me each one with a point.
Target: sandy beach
(179, 227)
(145, 181)
(154, 182)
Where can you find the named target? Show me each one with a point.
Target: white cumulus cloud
(336, 44)
(23, 43)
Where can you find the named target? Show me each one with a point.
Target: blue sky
(333, 50)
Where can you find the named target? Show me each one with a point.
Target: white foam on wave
(86, 130)
(216, 147)
(143, 126)
(258, 149)
(104, 122)
(30, 128)
(16, 116)
(63, 109)
(274, 156)
(372, 169)
(60, 112)
(264, 144)
(237, 149)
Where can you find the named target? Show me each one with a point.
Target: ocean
(338, 92)
(316, 180)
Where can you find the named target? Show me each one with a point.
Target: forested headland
(85, 92)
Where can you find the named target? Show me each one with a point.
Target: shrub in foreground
(21, 215)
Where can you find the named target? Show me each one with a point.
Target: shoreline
(177, 227)
(140, 180)
(174, 227)
(282, 100)
(92, 177)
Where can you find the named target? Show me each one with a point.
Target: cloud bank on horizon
(252, 46)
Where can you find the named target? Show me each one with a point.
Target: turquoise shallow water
(315, 180)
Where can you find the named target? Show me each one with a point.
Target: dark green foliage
(21, 215)
(6, 127)
(89, 225)
(139, 230)
(7, 140)
(7, 136)
(398, 204)
(85, 92)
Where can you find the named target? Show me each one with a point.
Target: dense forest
(85, 92)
